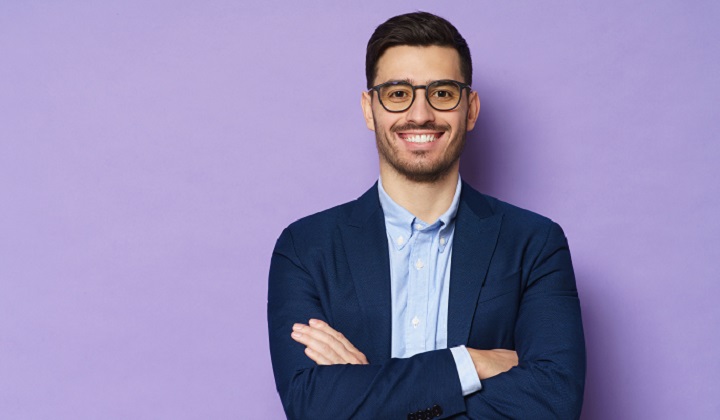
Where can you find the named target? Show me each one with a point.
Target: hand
(489, 363)
(325, 346)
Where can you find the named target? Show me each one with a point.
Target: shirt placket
(418, 288)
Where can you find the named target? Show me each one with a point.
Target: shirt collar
(399, 222)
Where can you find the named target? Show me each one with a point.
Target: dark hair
(416, 29)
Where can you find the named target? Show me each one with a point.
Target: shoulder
(515, 220)
(318, 228)
(484, 205)
(323, 220)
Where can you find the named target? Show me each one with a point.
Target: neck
(425, 200)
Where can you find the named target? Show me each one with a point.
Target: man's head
(420, 29)
(419, 103)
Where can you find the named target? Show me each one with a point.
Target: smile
(420, 138)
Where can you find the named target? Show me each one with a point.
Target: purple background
(152, 151)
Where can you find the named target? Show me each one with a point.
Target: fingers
(326, 346)
(349, 347)
(316, 357)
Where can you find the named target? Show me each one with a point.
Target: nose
(420, 112)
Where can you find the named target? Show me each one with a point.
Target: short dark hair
(416, 29)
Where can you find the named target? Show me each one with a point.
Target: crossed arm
(326, 376)
(326, 346)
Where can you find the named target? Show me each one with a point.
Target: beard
(420, 167)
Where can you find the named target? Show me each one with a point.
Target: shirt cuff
(469, 380)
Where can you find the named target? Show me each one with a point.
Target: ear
(366, 104)
(473, 109)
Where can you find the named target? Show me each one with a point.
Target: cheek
(386, 125)
(379, 120)
(459, 126)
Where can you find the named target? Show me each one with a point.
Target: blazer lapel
(366, 248)
(476, 234)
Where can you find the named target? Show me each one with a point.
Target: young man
(424, 298)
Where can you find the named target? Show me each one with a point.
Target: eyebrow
(412, 82)
(406, 80)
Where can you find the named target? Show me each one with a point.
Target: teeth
(422, 138)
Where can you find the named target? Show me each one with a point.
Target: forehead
(418, 64)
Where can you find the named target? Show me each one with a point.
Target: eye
(443, 92)
(440, 94)
(397, 93)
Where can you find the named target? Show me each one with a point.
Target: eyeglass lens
(442, 95)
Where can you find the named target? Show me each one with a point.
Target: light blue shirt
(420, 256)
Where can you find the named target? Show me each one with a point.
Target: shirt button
(415, 322)
(442, 240)
(400, 240)
(419, 264)
(418, 226)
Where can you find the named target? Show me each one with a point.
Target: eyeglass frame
(377, 88)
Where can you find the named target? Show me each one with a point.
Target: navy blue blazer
(511, 286)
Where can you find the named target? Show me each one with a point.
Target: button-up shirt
(420, 256)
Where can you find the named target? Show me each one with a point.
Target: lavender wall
(152, 151)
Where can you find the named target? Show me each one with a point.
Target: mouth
(420, 138)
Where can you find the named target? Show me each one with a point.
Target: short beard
(418, 173)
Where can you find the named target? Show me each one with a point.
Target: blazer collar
(476, 233)
(365, 208)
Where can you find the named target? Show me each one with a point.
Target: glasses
(442, 95)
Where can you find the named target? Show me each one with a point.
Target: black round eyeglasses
(442, 95)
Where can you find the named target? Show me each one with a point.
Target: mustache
(429, 126)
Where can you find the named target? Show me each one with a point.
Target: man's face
(421, 144)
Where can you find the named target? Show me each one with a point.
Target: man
(424, 298)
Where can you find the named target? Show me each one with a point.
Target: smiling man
(424, 298)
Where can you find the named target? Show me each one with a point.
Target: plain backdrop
(151, 152)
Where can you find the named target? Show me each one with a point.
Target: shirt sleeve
(469, 380)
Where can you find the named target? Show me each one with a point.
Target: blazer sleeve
(426, 382)
(549, 381)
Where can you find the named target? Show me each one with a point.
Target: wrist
(478, 362)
